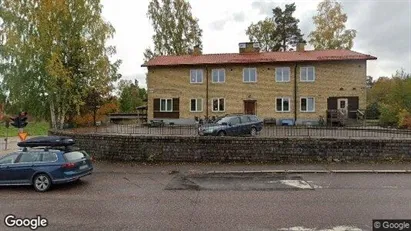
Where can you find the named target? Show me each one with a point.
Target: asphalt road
(128, 198)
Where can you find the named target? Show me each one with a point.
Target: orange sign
(23, 136)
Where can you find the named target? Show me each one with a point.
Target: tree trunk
(53, 115)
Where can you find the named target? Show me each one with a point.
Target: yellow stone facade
(332, 79)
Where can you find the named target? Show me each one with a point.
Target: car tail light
(68, 165)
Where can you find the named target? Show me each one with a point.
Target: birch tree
(53, 51)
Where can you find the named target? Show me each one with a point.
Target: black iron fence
(268, 131)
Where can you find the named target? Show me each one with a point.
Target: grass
(32, 128)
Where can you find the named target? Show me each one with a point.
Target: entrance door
(249, 107)
(342, 105)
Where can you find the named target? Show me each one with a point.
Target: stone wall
(216, 149)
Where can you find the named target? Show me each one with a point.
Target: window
(307, 74)
(218, 105)
(218, 75)
(235, 121)
(196, 76)
(245, 119)
(253, 118)
(166, 105)
(72, 156)
(307, 104)
(9, 159)
(49, 157)
(282, 104)
(282, 74)
(196, 105)
(250, 75)
(30, 157)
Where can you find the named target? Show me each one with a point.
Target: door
(22, 171)
(245, 125)
(234, 126)
(5, 166)
(249, 107)
(342, 106)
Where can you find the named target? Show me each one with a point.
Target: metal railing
(267, 131)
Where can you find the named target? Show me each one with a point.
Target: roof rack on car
(47, 142)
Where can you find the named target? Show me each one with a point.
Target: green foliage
(53, 53)
(262, 32)
(280, 32)
(330, 32)
(286, 34)
(33, 128)
(372, 111)
(389, 115)
(176, 30)
(392, 98)
(131, 96)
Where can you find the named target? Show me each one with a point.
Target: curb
(312, 171)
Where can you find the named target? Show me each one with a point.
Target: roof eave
(260, 62)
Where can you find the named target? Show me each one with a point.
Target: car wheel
(42, 182)
(253, 132)
(221, 133)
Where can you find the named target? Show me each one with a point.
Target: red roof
(263, 57)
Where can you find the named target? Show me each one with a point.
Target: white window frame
(196, 71)
(282, 104)
(218, 75)
(250, 68)
(306, 98)
(305, 68)
(166, 99)
(212, 104)
(196, 100)
(282, 75)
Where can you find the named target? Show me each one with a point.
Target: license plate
(83, 167)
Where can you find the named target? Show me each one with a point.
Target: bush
(389, 115)
(404, 119)
(372, 111)
(88, 119)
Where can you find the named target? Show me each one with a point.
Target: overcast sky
(383, 29)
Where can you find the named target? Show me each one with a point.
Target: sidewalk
(138, 168)
(11, 145)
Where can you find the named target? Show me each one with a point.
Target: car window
(49, 157)
(9, 159)
(245, 119)
(30, 157)
(235, 120)
(253, 118)
(71, 156)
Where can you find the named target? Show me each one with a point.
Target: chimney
(249, 48)
(301, 46)
(197, 50)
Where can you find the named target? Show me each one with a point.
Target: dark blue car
(233, 125)
(43, 167)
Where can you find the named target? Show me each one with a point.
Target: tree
(176, 30)
(262, 32)
(391, 97)
(131, 96)
(54, 52)
(330, 32)
(286, 34)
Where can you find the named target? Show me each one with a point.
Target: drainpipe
(206, 91)
(295, 94)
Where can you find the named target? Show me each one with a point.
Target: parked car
(56, 162)
(233, 125)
